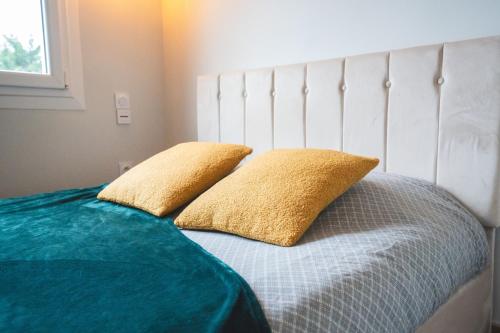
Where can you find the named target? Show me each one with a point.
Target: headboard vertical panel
(413, 127)
(259, 110)
(232, 108)
(469, 142)
(366, 105)
(324, 104)
(289, 127)
(208, 108)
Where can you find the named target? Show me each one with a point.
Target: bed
(429, 113)
(409, 248)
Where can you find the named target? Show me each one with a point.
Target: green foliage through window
(14, 56)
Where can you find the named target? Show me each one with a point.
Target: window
(30, 52)
(40, 60)
(22, 31)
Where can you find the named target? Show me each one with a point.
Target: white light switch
(122, 104)
(123, 116)
(122, 100)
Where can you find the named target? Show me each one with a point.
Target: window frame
(62, 88)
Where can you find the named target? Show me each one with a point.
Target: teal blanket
(71, 263)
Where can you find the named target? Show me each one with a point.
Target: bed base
(469, 310)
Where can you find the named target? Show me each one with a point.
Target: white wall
(221, 35)
(122, 49)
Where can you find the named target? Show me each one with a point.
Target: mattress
(381, 258)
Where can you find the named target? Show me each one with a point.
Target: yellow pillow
(275, 197)
(175, 176)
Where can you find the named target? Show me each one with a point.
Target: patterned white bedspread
(382, 258)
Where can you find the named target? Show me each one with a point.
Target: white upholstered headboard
(430, 112)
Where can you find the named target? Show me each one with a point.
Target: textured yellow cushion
(175, 176)
(275, 197)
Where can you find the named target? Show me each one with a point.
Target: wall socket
(124, 166)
